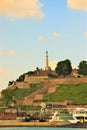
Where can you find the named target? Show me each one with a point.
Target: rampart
(34, 79)
(68, 80)
(21, 85)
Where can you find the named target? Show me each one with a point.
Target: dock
(33, 124)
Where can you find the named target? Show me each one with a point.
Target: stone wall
(22, 85)
(68, 80)
(34, 79)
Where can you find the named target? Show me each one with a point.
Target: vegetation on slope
(14, 94)
(77, 93)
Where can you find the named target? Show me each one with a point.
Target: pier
(32, 124)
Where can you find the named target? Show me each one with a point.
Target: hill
(77, 93)
(12, 94)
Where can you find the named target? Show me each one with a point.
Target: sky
(30, 27)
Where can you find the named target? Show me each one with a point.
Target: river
(39, 128)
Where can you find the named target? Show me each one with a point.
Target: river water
(39, 128)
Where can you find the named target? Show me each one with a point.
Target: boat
(62, 116)
(80, 114)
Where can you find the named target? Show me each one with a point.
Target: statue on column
(47, 68)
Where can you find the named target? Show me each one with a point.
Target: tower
(47, 68)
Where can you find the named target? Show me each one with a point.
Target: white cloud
(53, 64)
(56, 34)
(21, 8)
(45, 37)
(77, 4)
(85, 34)
(8, 53)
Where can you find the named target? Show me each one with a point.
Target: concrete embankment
(32, 124)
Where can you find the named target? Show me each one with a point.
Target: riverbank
(33, 124)
(63, 124)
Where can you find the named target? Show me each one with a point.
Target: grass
(75, 93)
(19, 93)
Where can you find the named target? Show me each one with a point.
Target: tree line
(65, 68)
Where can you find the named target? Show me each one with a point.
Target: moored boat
(80, 114)
(62, 116)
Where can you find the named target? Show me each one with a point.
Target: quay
(33, 124)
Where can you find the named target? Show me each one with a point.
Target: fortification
(40, 74)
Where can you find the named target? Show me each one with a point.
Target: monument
(47, 68)
(40, 74)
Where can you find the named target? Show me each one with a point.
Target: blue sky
(29, 28)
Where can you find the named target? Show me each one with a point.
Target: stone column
(46, 59)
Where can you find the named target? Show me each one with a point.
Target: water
(39, 128)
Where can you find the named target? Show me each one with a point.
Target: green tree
(11, 82)
(82, 68)
(64, 68)
(21, 78)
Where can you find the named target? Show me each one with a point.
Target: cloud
(21, 8)
(45, 37)
(4, 72)
(85, 34)
(56, 34)
(77, 4)
(8, 53)
(53, 64)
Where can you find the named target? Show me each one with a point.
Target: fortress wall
(68, 80)
(34, 79)
(47, 81)
(22, 85)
